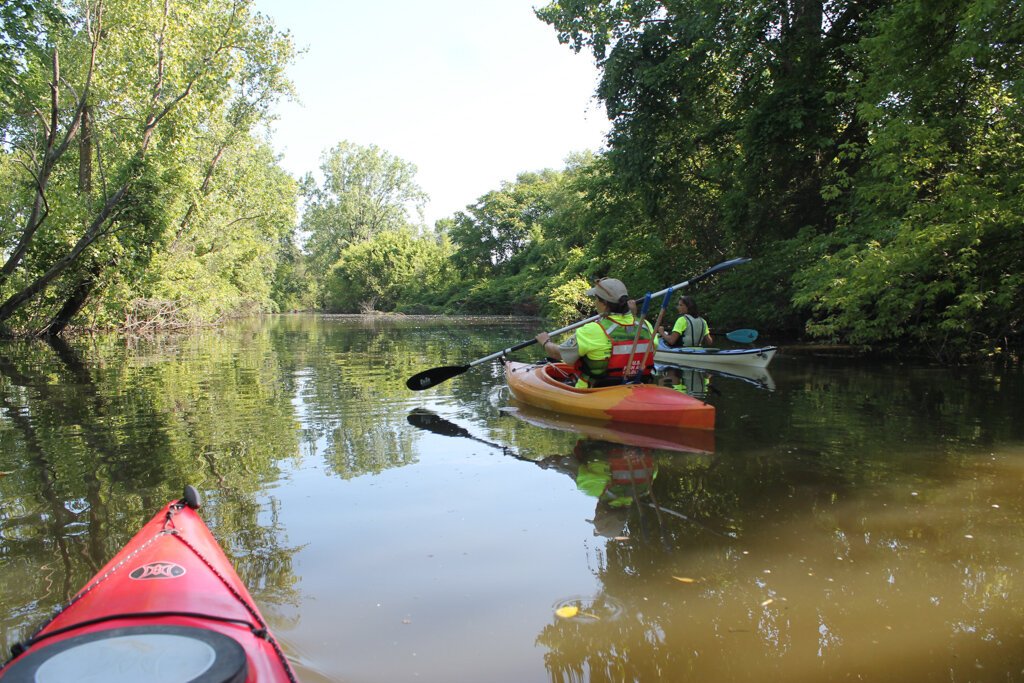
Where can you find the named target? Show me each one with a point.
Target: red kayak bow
(168, 607)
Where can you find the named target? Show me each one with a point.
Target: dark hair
(618, 307)
(691, 306)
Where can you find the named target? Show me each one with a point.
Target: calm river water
(846, 520)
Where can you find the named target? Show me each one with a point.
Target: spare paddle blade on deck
(742, 336)
(434, 376)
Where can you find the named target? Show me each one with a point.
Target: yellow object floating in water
(567, 612)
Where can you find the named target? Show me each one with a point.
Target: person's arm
(671, 338)
(565, 352)
(550, 347)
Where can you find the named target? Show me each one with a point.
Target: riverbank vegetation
(869, 156)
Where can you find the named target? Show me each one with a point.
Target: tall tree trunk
(85, 154)
(95, 231)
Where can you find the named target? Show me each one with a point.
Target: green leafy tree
(929, 253)
(502, 223)
(724, 119)
(108, 141)
(23, 37)
(869, 148)
(365, 191)
(720, 110)
(292, 288)
(227, 261)
(391, 267)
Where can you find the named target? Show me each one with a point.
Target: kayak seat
(167, 654)
(563, 373)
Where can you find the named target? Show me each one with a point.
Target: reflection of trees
(847, 591)
(96, 440)
(851, 576)
(350, 372)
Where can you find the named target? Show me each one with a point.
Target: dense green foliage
(366, 247)
(867, 155)
(390, 269)
(365, 191)
(139, 188)
(928, 247)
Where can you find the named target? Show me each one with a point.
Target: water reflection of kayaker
(618, 476)
(600, 350)
(690, 329)
(687, 380)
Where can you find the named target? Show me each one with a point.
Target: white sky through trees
(472, 92)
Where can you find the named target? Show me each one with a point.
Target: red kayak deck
(170, 602)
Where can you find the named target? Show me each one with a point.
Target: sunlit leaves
(170, 89)
(392, 267)
(365, 191)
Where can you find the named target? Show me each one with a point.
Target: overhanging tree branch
(53, 151)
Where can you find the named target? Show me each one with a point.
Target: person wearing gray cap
(600, 350)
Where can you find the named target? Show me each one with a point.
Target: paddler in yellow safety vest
(690, 329)
(600, 350)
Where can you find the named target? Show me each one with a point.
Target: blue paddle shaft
(646, 305)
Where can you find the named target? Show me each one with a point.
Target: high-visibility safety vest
(695, 331)
(621, 337)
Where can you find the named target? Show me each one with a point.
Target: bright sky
(473, 92)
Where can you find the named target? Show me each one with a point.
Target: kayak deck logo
(157, 570)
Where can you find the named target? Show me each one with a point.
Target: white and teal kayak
(713, 358)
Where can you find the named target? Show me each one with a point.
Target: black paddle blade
(433, 376)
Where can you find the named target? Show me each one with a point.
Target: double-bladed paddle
(434, 376)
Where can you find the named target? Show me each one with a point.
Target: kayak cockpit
(137, 653)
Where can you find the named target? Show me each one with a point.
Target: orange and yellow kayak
(549, 386)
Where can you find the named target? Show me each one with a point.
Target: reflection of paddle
(680, 515)
(433, 376)
(432, 422)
